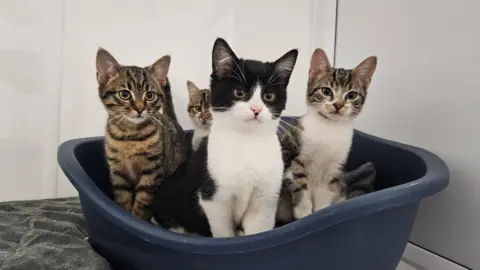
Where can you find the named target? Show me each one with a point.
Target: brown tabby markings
(143, 141)
(340, 82)
(199, 106)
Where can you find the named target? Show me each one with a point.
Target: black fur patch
(235, 73)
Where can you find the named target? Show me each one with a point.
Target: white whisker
(113, 118)
(286, 132)
(121, 119)
(290, 125)
(241, 72)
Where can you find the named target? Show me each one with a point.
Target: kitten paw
(239, 233)
(321, 206)
(301, 211)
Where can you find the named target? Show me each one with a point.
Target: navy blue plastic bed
(369, 232)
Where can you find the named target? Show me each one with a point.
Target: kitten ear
(107, 66)
(192, 89)
(285, 64)
(159, 69)
(223, 58)
(365, 70)
(319, 64)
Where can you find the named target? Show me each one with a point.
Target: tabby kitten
(335, 97)
(199, 112)
(143, 141)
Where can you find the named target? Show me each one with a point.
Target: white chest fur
(325, 146)
(198, 135)
(243, 164)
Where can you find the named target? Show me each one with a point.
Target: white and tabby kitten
(335, 97)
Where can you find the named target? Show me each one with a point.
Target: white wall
(425, 93)
(30, 74)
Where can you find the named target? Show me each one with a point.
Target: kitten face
(248, 93)
(199, 106)
(337, 93)
(131, 93)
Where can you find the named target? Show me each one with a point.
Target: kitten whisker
(290, 125)
(278, 83)
(278, 76)
(293, 140)
(237, 77)
(241, 72)
(159, 122)
(271, 76)
(121, 119)
(281, 137)
(113, 118)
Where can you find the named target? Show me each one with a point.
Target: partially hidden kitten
(321, 139)
(199, 112)
(144, 143)
(234, 178)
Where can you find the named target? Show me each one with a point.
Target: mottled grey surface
(45, 234)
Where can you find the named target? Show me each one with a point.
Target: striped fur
(143, 140)
(199, 112)
(337, 96)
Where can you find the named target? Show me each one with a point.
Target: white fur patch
(198, 135)
(245, 159)
(325, 147)
(136, 120)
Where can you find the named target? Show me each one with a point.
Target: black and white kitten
(235, 176)
(245, 166)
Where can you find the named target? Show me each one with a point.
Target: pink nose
(256, 110)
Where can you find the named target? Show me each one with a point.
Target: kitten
(335, 97)
(228, 182)
(243, 183)
(199, 112)
(144, 143)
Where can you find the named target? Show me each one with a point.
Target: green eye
(269, 97)
(124, 94)
(327, 91)
(239, 93)
(150, 96)
(351, 95)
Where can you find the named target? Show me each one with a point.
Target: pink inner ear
(163, 82)
(319, 64)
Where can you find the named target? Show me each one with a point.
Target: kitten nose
(256, 110)
(337, 106)
(139, 111)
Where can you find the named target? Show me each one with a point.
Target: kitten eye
(150, 96)
(124, 94)
(318, 97)
(197, 109)
(239, 93)
(327, 91)
(351, 95)
(269, 97)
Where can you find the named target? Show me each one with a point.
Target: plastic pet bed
(369, 232)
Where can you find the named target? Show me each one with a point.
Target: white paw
(321, 206)
(302, 210)
(240, 233)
